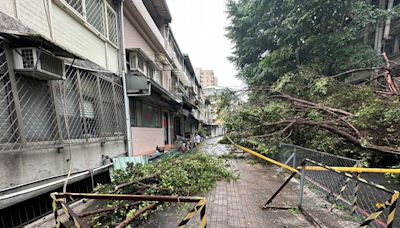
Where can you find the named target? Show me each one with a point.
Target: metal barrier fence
(293, 155)
(331, 197)
(86, 107)
(59, 201)
(345, 197)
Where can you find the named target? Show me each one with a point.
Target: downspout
(123, 69)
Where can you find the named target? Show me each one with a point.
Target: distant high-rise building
(207, 78)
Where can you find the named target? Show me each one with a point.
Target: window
(144, 115)
(112, 25)
(37, 108)
(151, 116)
(90, 105)
(5, 115)
(140, 63)
(150, 70)
(158, 76)
(110, 124)
(76, 5)
(96, 12)
(88, 114)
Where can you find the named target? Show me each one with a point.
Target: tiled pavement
(239, 203)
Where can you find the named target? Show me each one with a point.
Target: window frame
(83, 19)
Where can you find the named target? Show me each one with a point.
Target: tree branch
(330, 127)
(312, 104)
(355, 70)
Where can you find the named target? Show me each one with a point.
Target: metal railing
(347, 197)
(293, 155)
(86, 107)
(60, 201)
(329, 195)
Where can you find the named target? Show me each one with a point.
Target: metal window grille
(37, 108)
(8, 131)
(112, 25)
(95, 14)
(34, 114)
(76, 5)
(109, 109)
(140, 63)
(120, 106)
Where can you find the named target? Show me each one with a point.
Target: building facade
(61, 98)
(162, 87)
(213, 124)
(83, 82)
(207, 77)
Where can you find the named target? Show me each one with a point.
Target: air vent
(33, 62)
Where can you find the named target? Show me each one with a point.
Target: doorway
(166, 127)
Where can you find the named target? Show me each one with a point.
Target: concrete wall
(135, 39)
(146, 139)
(65, 28)
(32, 165)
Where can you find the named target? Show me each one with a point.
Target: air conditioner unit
(36, 63)
(137, 63)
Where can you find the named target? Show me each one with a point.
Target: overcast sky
(199, 27)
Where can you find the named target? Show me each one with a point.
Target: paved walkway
(238, 203)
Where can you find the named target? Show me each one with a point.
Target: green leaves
(189, 174)
(274, 37)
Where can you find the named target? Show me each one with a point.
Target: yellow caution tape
(263, 157)
(353, 169)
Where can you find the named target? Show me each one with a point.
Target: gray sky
(199, 27)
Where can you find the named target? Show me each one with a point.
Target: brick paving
(239, 203)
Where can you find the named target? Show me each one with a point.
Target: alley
(239, 203)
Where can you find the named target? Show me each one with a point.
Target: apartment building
(212, 123)
(207, 77)
(161, 84)
(384, 37)
(83, 82)
(62, 106)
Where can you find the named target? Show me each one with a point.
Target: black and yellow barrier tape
(201, 206)
(381, 207)
(272, 161)
(362, 180)
(355, 198)
(314, 168)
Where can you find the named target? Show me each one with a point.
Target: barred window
(112, 25)
(90, 106)
(110, 125)
(37, 108)
(71, 106)
(95, 14)
(76, 5)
